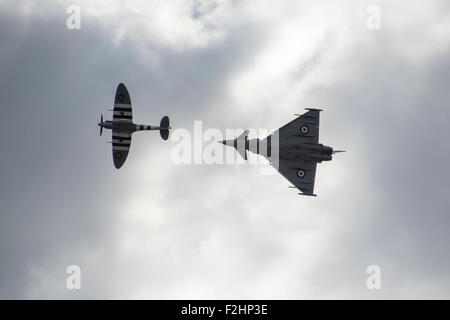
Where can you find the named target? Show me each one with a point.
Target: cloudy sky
(155, 229)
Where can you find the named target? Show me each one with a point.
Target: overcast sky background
(154, 229)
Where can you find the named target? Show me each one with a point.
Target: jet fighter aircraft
(122, 126)
(298, 148)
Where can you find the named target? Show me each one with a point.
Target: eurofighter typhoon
(122, 126)
(294, 150)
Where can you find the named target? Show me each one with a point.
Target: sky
(156, 229)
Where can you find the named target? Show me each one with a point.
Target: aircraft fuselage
(293, 151)
(127, 127)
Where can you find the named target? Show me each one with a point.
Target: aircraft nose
(227, 142)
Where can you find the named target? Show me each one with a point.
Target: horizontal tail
(165, 126)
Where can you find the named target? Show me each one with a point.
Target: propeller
(101, 122)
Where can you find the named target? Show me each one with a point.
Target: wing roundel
(304, 129)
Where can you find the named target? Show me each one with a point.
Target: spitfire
(294, 150)
(122, 126)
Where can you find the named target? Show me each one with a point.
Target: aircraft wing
(304, 129)
(300, 173)
(120, 146)
(122, 105)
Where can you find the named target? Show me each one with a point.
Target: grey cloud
(217, 231)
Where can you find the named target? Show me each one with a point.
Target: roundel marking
(304, 129)
(120, 97)
(301, 173)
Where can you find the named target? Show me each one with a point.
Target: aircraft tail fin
(242, 152)
(240, 144)
(165, 125)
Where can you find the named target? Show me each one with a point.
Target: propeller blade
(101, 122)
